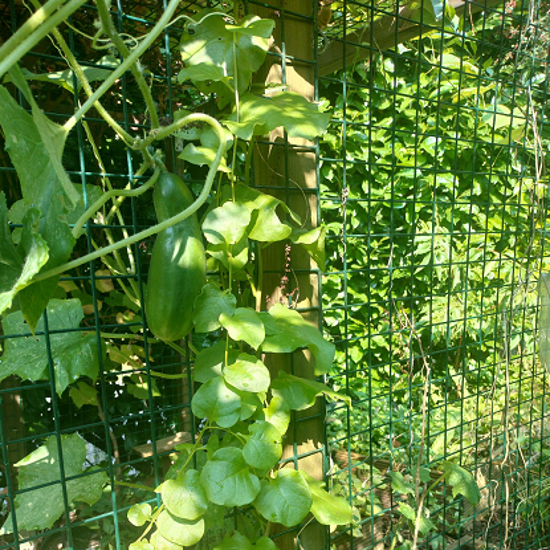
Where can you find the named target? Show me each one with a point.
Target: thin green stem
(259, 279)
(109, 194)
(122, 267)
(195, 446)
(81, 75)
(233, 164)
(32, 23)
(111, 32)
(115, 209)
(201, 199)
(12, 51)
(135, 486)
(152, 522)
(179, 349)
(155, 32)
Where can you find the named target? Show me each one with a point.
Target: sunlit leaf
(40, 508)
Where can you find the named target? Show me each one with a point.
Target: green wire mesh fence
(432, 186)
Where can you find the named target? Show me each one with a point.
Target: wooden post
(288, 167)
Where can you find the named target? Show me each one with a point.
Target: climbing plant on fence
(82, 332)
(434, 194)
(233, 462)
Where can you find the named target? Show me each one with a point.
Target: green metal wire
(400, 200)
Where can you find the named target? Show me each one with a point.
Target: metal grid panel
(436, 222)
(435, 204)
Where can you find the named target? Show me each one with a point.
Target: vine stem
(109, 194)
(111, 32)
(134, 486)
(162, 23)
(201, 199)
(81, 75)
(41, 23)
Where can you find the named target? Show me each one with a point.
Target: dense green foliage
(434, 197)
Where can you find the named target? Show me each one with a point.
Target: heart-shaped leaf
(228, 480)
(184, 496)
(180, 531)
(217, 402)
(247, 373)
(209, 305)
(285, 499)
(263, 449)
(245, 324)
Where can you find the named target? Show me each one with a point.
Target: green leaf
(290, 332)
(184, 497)
(278, 413)
(235, 542)
(139, 387)
(424, 525)
(245, 324)
(400, 485)
(226, 224)
(42, 188)
(209, 362)
(328, 509)
(228, 480)
(247, 373)
(180, 531)
(285, 499)
(139, 514)
(83, 394)
(201, 155)
(263, 543)
(263, 449)
(268, 227)
(259, 115)
(240, 542)
(407, 511)
(19, 264)
(160, 543)
(313, 241)
(234, 255)
(53, 136)
(40, 508)
(141, 545)
(250, 403)
(66, 78)
(209, 305)
(73, 353)
(215, 401)
(462, 482)
(217, 53)
(299, 393)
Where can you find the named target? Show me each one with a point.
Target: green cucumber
(177, 271)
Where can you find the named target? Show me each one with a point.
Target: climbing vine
(245, 411)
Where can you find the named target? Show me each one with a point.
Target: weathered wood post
(287, 168)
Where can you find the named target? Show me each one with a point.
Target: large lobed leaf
(19, 264)
(40, 508)
(37, 159)
(220, 57)
(287, 330)
(72, 353)
(257, 116)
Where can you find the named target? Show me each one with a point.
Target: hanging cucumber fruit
(178, 267)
